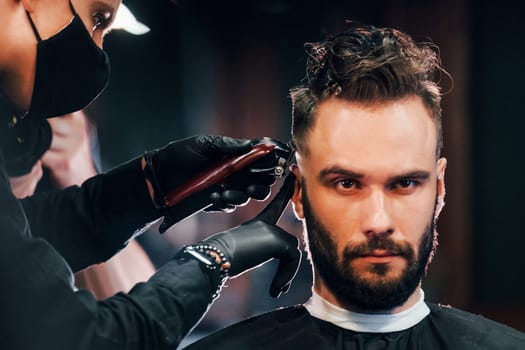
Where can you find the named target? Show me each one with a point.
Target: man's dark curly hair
(368, 65)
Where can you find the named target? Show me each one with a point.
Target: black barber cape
(44, 237)
(293, 328)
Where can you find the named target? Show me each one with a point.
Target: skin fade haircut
(369, 65)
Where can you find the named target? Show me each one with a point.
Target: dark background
(225, 67)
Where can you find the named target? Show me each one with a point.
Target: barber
(55, 65)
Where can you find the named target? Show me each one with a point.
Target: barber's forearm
(123, 192)
(154, 315)
(89, 224)
(177, 296)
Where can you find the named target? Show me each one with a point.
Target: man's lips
(379, 255)
(378, 251)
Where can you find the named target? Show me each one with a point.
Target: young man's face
(369, 190)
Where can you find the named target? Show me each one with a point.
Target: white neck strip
(370, 323)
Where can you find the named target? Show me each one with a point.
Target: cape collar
(372, 323)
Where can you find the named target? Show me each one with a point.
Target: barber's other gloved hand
(172, 166)
(259, 240)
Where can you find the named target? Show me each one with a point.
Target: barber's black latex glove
(259, 240)
(178, 162)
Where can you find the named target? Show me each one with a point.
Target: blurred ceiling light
(126, 20)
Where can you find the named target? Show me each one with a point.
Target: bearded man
(370, 187)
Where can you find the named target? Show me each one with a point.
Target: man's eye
(406, 184)
(346, 184)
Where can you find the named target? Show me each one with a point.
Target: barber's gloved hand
(173, 165)
(259, 240)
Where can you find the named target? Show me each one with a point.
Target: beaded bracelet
(208, 255)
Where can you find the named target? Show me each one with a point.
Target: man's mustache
(378, 243)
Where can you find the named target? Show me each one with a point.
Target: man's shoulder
(467, 319)
(476, 328)
(255, 330)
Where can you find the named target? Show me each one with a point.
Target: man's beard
(347, 286)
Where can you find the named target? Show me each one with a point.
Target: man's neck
(327, 295)
(368, 322)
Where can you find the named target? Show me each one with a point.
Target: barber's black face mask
(71, 71)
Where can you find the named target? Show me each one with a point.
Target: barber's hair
(365, 64)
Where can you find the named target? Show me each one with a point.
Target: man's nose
(377, 220)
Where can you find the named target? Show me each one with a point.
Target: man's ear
(441, 166)
(298, 193)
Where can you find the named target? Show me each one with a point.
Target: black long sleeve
(41, 308)
(90, 223)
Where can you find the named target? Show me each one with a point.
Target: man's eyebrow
(336, 170)
(413, 175)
